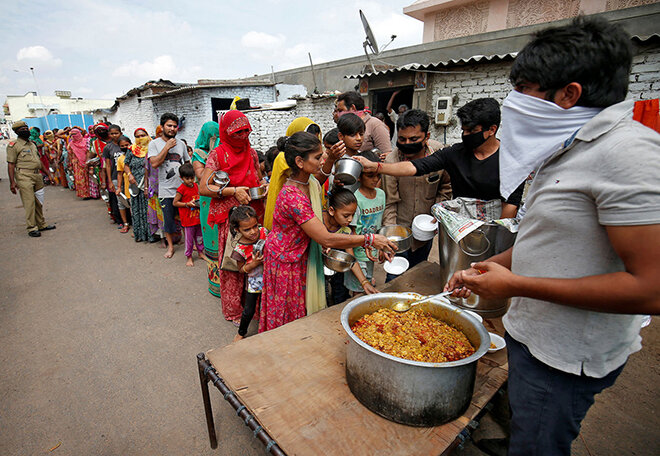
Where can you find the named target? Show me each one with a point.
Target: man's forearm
(503, 259)
(159, 159)
(399, 169)
(11, 168)
(618, 292)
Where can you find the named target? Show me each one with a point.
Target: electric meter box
(442, 110)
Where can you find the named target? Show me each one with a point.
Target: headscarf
(49, 135)
(281, 170)
(208, 131)
(141, 146)
(78, 145)
(236, 157)
(159, 131)
(231, 122)
(34, 136)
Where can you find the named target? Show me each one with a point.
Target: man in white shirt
(167, 154)
(585, 262)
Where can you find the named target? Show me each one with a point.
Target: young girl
(368, 219)
(123, 184)
(249, 258)
(186, 199)
(337, 218)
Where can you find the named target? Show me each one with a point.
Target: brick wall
(469, 82)
(268, 126)
(195, 105)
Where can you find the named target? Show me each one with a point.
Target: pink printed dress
(285, 264)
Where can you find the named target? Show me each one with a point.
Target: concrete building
(446, 19)
(31, 105)
(640, 21)
(195, 104)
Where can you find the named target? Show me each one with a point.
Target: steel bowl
(347, 171)
(134, 189)
(412, 392)
(126, 202)
(105, 195)
(93, 161)
(257, 193)
(338, 260)
(220, 178)
(399, 234)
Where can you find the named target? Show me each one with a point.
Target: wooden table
(292, 382)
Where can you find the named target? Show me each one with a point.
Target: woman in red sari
(237, 158)
(77, 148)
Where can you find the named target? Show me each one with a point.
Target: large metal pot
(487, 240)
(412, 392)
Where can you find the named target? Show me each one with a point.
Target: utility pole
(40, 99)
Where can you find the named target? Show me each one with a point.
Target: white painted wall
(18, 105)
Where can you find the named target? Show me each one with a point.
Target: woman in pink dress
(296, 223)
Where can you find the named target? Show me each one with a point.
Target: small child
(271, 154)
(186, 198)
(368, 219)
(249, 259)
(342, 204)
(351, 132)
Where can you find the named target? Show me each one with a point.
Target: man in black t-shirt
(473, 164)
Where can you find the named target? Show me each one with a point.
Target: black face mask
(124, 149)
(23, 134)
(410, 148)
(472, 141)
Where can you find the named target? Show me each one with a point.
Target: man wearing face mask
(584, 266)
(409, 196)
(473, 164)
(23, 166)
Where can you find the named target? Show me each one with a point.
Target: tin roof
(444, 63)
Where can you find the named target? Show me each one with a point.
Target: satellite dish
(371, 39)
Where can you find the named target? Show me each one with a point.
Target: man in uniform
(23, 166)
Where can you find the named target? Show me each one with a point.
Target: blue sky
(103, 49)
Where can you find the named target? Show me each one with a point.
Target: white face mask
(532, 130)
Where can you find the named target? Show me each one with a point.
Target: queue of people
(583, 265)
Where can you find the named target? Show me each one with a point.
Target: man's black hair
(313, 129)
(331, 137)
(482, 111)
(350, 124)
(369, 155)
(260, 156)
(168, 116)
(412, 118)
(352, 98)
(186, 170)
(114, 127)
(590, 51)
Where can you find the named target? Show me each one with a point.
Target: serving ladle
(405, 306)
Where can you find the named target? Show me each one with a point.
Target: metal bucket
(484, 242)
(412, 392)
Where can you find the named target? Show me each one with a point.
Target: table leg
(208, 374)
(202, 366)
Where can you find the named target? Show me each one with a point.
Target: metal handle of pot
(208, 181)
(475, 254)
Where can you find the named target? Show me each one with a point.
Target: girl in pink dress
(296, 222)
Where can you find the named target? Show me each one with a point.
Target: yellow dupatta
(281, 171)
(315, 290)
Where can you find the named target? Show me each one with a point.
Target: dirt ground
(99, 336)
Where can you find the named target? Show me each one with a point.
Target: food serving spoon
(405, 306)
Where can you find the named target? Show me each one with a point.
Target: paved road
(99, 337)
